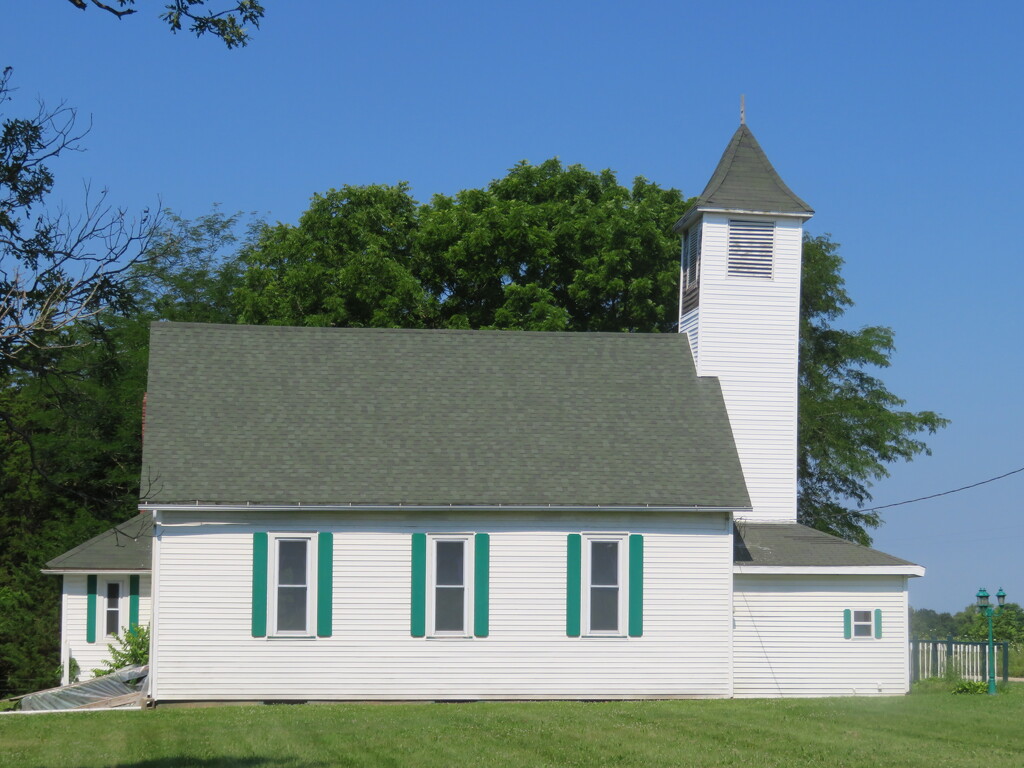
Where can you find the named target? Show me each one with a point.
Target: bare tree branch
(225, 24)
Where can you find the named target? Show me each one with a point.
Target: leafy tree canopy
(546, 248)
(220, 20)
(850, 425)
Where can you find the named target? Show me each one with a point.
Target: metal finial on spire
(743, 110)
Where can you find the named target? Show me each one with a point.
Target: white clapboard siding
(74, 604)
(688, 324)
(747, 336)
(788, 638)
(204, 648)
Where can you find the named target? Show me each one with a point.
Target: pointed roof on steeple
(744, 180)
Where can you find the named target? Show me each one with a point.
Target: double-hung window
(604, 585)
(605, 591)
(112, 609)
(450, 589)
(450, 594)
(292, 584)
(293, 588)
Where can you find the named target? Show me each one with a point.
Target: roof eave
(832, 570)
(687, 217)
(62, 571)
(353, 507)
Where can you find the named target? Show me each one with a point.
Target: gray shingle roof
(797, 545)
(126, 547)
(280, 415)
(745, 180)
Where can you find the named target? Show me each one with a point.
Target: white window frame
(870, 624)
(468, 569)
(272, 575)
(622, 539)
(106, 606)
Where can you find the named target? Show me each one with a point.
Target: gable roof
(746, 181)
(125, 547)
(347, 416)
(793, 544)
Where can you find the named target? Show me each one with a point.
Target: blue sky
(898, 122)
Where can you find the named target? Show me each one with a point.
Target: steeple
(739, 304)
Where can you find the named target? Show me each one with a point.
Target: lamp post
(989, 612)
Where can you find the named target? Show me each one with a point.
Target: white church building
(378, 514)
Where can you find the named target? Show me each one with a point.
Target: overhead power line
(943, 493)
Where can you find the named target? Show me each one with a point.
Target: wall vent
(750, 248)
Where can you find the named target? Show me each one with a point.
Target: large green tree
(549, 247)
(851, 427)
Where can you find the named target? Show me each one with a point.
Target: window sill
(291, 637)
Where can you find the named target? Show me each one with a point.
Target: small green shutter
(878, 623)
(636, 585)
(133, 602)
(574, 570)
(419, 585)
(847, 624)
(260, 561)
(90, 608)
(324, 583)
(481, 584)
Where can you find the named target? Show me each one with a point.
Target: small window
(862, 624)
(451, 585)
(292, 580)
(112, 612)
(750, 248)
(605, 589)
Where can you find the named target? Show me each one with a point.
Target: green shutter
(878, 623)
(636, 585)
(482, 584)
(847, 624)
(324, 583)
(133, 602)
(260, 560)
(90, 609)
(419, 585)
(574, 569)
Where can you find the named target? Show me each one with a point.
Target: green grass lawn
(927, 729)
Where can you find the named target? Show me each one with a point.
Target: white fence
(967, 660)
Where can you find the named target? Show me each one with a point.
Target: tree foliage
(970, 624)
(226, 23)
(850, 425)
(547, 247)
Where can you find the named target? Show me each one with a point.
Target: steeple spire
(746, 181)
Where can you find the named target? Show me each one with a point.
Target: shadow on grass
(217, 762)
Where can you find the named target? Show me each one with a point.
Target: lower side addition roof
(792, 548)
(123, 548)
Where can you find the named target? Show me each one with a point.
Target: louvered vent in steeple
(750, 248)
